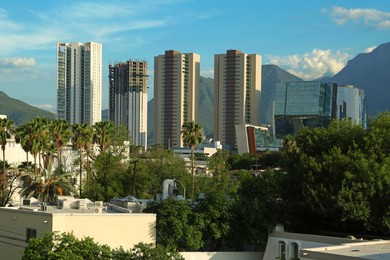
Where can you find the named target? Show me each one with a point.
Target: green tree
(6, 129)
(215, 217)
(178, 227)
(82, 139)
(144, 251)
(11, 176)
(24, 136)
(42, 144)
(65, 246)
(47, 188)
(108, 179)
(102, 135)
(156, 165)
(61, 133)
(221, 177)
(258, 208)
(334, 176)
(192, 134)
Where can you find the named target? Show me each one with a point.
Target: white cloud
(207, 73)
(46, 106)
(312, 65)
(370, 49)
(17, 62)
(371, 17)
(10, 65)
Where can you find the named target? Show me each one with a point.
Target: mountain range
(368, 71)
(371, 72)
(20, 112)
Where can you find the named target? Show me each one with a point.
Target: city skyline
(308, 39)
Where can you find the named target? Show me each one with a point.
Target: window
(281, 250)
(30, 232)
(294, 250)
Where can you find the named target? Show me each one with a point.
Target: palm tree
(82, 138)
(46, 189)
(61, 132)
(6, 129)
(102, 134)
(40, 140)
(24, 137)
(192, 134)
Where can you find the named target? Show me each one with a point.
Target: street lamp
(184, 188)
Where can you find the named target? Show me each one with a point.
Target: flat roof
(54, 210)
(375, 250)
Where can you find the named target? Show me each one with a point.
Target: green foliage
(221, 178)
(214, 213)
(259, 207)
(339, 174)
(144, 251)
(192, 134)
(46, 189)
(66, 246)
(154, 167)
(109, 178)
(178, 228)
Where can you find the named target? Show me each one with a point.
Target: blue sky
(308, 38)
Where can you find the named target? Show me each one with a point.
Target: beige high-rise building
(79, 82)
(128, 98)
(237, 89)
(176, 95)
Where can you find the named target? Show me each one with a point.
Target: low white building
(82, 217)
(286, 245)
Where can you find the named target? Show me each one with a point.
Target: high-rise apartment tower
(128, 98)
(176, 95)
(237, 89)
(79, 82)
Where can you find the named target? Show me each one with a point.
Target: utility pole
(134, 172)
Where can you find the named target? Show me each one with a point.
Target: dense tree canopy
(340, 176)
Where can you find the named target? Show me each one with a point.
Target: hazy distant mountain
(20, 112)
(206, 105)
(371, 72)
(271, 74)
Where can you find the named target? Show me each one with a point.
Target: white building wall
(113, 229)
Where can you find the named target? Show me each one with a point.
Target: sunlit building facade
(128, 98)
(237, 90)
(351, 104)
(176, 95)
(79, 82)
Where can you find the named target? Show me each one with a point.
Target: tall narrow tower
(79, 82)
(237, 89)
(128, 98)
(176, 95)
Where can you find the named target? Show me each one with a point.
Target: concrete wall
(13, 226)
(114, 230)
(222, 255)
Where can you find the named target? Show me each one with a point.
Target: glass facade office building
(303, 103)
(351, 104)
